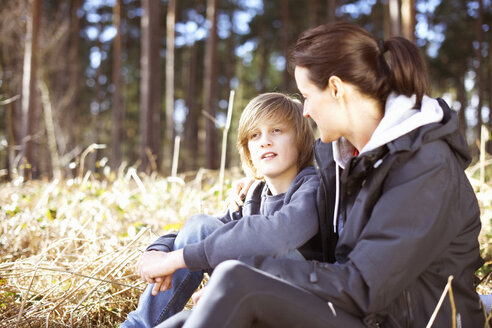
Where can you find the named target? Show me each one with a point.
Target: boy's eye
(254, 135)
(277, 130)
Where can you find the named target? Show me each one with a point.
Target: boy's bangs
(276, 115)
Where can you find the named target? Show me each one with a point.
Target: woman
(392, 163)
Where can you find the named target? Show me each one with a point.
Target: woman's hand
(238, 193)
(155, 264)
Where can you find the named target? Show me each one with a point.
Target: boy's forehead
(274, 120)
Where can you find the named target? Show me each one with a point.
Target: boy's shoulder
(307, 173)
(307, 178)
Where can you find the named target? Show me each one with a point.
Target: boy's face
(273, 150)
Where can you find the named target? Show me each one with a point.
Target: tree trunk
(408, 19)
(150, 86)
(191, 123)
(209, 87)
(230, 70)
(75, 79)
(395, 17)
(479, 70)
(332, 8)
(285, 40)
(387, 19)
(10, 133)
(30, 110)
(262, 50)
(313, 13)
(460, 83)
(117, 100)
(377, 19)
(170, 32)
(490, 76)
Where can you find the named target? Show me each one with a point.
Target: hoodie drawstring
(337, 197)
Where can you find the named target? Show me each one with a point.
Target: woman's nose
(305, 112)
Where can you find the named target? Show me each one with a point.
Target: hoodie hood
(403, 128)
(400, 117)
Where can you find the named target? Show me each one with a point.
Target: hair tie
(382, 49)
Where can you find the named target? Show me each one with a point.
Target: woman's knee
(232, 276)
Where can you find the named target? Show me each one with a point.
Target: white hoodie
(399, 119)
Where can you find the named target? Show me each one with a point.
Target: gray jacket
(410, 220)
(267, 225)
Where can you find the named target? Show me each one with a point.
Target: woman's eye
(254, 136)
(277, 130)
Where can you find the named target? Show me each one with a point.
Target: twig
(451, 300)
(133, 173)
(210, 117)
(224, 144)
(445, 291)
(86, 152)
(151, 158)
(9, 100)
(21, 310)
(174, 167)
(89, 277)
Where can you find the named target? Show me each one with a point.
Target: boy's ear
(335, 85)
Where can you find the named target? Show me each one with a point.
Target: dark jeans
(241, 296)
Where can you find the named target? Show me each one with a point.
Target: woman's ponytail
(406, 69)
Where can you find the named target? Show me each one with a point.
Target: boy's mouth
(268, 155)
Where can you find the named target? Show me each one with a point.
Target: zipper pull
(313, 277)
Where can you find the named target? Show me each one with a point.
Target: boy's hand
(161, 284)
(238, 193)
(155, 264)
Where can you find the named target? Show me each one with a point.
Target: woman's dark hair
(354, 55)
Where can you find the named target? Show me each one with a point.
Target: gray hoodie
(270, 225)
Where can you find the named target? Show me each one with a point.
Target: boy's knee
(196, 228)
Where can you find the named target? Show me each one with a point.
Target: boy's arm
(164, 243)
(273, 235)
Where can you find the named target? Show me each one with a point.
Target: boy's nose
(265, 141)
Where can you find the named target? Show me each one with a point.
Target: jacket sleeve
(164, 243)
(285, 230)
(421, 210)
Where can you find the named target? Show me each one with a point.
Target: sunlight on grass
(67, 248)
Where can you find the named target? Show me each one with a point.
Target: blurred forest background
(129, 76)
(95, 94)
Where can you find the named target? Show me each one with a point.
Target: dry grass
(67, 248)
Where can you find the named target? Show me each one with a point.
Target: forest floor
(67, 248)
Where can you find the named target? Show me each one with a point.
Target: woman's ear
(335, 85)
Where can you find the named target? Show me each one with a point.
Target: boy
(278, 217)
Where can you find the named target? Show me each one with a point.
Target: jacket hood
(434, 118)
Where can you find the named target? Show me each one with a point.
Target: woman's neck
(363, 121)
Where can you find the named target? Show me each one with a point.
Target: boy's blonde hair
(276, 107)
